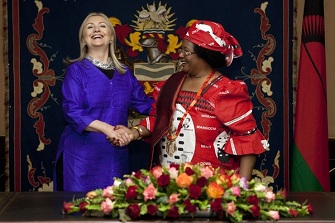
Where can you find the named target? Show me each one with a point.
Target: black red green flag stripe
(310, 159)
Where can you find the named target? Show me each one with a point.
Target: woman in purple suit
(98, 92)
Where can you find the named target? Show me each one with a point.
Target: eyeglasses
(186, 53)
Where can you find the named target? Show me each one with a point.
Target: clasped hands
(121, 136)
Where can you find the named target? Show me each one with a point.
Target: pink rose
(231, 207)
(108, 192)
(206, 172)
(149, 193)
(157, 171)
(173, 198)
(270, 196)
(274, 215)
(107, 206)
(236, 191)
(129, 182)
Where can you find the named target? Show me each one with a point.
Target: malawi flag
(310, 157)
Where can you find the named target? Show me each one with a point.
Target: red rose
(175, 166)
(310, 209)
(131, 193)
(189, 171)
(282, 193)
(152, 209)
(163, 180)
(173, 212)
(293, 212)
(255, 211)
(202, 181)
(252, 200)
(138, 174)
(133, 211)
(189, 206)
(82, 206)
(67, 207)
(195, 191)
(216, 205)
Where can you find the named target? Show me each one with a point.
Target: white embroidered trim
(232, 146)
(238, 118)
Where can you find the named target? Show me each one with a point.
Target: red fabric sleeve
(234, 109)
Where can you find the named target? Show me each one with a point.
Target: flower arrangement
(177, 190)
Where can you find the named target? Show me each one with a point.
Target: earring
(229, 58)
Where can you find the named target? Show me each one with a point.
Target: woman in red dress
(200, 115)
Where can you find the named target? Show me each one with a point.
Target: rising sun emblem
(154, 19)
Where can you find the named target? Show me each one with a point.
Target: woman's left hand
(126, 135)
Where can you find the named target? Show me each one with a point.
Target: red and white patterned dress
(221, 122)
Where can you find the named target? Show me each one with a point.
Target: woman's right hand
(126, 135)
(119, 137)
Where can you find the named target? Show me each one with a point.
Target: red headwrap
(212, 36)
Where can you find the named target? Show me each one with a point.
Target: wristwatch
(140, 132)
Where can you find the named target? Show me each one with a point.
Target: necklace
(171, 136)
(107, 66)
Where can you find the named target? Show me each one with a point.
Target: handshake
(123, 135)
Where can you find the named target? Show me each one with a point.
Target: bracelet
(246, 133)
(140, 132)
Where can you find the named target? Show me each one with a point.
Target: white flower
(173, 172)
(117, 182)
(260, 187)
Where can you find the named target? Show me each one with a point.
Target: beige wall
(330, 53)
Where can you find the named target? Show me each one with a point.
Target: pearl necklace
(107, 66)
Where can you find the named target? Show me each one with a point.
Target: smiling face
(96, 32)
(189, 61)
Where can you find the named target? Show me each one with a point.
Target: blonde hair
(120, 67)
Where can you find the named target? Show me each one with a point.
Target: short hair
(214, 58)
